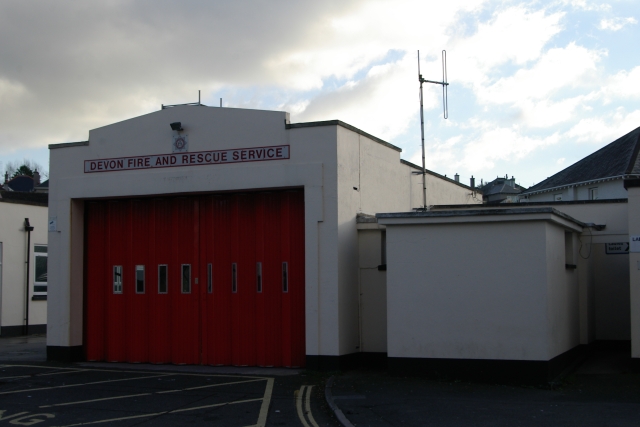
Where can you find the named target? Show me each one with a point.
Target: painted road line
(83, 384)
(41, 375)
(208, 386)
(300, 399)
(79, 402)
(135, 371)
(162, 413)
(308, 407)
(264, 409)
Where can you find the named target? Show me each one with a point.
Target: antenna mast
(445, 108)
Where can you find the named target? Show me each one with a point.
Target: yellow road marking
(308, 407)
(79, 385)
(264, 408)
(299, 396)
(163, 413)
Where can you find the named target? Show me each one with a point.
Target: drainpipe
(28, 228)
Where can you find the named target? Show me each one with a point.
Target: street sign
(617, 248)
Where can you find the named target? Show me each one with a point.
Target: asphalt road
(34, 392)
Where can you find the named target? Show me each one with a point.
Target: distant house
(25, 183)
(501, 190)
(600, 175)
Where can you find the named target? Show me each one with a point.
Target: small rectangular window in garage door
(117, 279)
(234, 277)
(162, 279)
(139, 279)
(285, 277)
(259, 277)
(209, 278)
(186, 278)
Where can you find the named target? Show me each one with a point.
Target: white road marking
(164, 413)
(209, 385)
(137, 371)
(41, 375)
(79, 385)
(145, 394)
(95, 400)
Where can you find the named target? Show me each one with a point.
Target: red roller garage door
(216, 279)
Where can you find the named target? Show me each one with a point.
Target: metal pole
(424, 170)
(28, 228)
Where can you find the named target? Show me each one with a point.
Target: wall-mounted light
(176, 126)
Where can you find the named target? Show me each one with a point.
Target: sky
(533, 86)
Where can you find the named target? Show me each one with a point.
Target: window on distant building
(40, 278)
(593, 193)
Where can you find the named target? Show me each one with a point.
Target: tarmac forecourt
(65, 397)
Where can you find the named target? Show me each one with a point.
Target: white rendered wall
(603, 278)
(373, 290)
(14, 252)
(487, 290)
(467, 291)
(634, 271)
(371, 179)
(606, 190)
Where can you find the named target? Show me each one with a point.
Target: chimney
(6, 177)
(36, 178)
(473, 182)
(456, 177)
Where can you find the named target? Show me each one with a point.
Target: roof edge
(437, 175)
(576, 184)
(68, 144)
(344, 125)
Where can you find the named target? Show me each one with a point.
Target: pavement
(603, 391)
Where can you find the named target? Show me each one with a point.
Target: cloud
(622, 85)
(603, 130)
(616, 24)
(516, 35)
(392, 88)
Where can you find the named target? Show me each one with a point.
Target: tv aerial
(445, 109)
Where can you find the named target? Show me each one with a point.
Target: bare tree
(26, 167)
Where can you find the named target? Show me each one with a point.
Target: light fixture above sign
(176, 126)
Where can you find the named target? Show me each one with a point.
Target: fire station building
(220, 236)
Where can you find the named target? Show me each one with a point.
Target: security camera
(176, 126)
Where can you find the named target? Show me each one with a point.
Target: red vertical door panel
(220, 326)
(185, 322)
(260, 303)
(160, 240)
(117, 255)
(137, 295)
(246, 294)
(96, 282)
(272, 280)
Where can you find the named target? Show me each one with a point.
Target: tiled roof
(20, 183)
(615, 159)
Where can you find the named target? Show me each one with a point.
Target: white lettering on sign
(239, 155)
(634, 245)
(617, 248)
